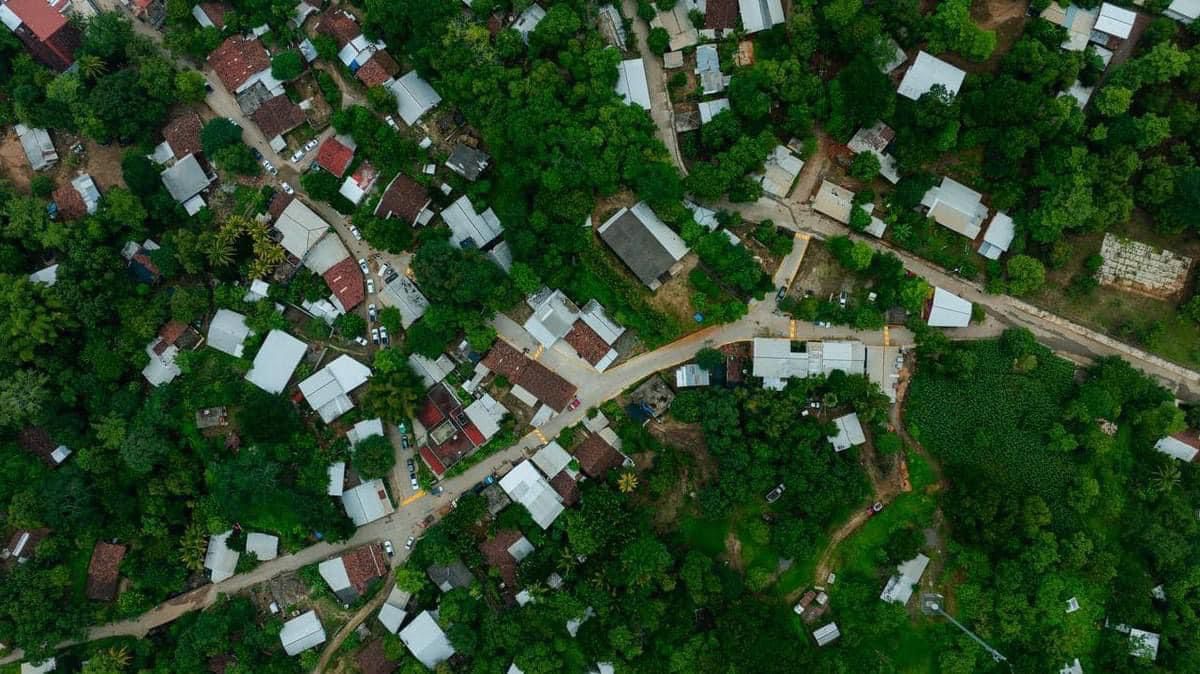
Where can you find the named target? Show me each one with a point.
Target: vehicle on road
(415, 485)
(383, 336)
(780, 294)
(412, 466)
(436, 491)
(287, 189)
(574, 404)
(375, 336)
(371, 313)
(360, 340)
(370, 286)
(362, 264)
(256, 154)
(404, 441)
(874, 508)
(297, 155)
(489, 480)
(311, 145)
(355, 233)
(269, 167)
(387, 547)
(409, 543)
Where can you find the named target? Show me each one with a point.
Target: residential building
(185, 181)
(1113, 25)
(450, 576)
(780, 170)
(651, 249)
(504, 552)
(467, 161)
(414, 97)
(406, 199)
(531, 380)
(220, 559)
(227, 332)
(426, 640)
(928, 71)
(956, 207)
(775, 361)
(301, 228)
(337, 478)
(349, 575)
(612, 26)
(596, 455)
(356, 186)
(486, 414)
(849, 433)
(241, 63)
(392, 613)
(470, 229)
(1184, 445)
(708, 69)
(367, 502)
(999, 236)
(264, 546)
(336, 153)
(431, 371)
(1143, 644)
(827, 634)
(328, 389)
(46, 276)
(898, 57)
(947, 310)
(104, 571)
(162, 351)
(1077, 21)
(403, 293)
(378, 70)
(1185, 11)
(345, 280)
(525, 485)
(551, 459)
(36, 144)
(302, 633)
(451, 433)
(691, 375)
(834, 201)
(758, 15)
(899, 588)
(42, 26)
(76, 199)
(367, 428)
(275, 361)
(721, 15)
(275, 117)
(631, 82)
(590, 332)
(209, 14)
(876, 140)
(528, 21)
(22, 544)
(710, 109)
(48, 665)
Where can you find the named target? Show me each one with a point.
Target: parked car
(415, 484)
(375, 336)
(383, 336)
(371, 313)
(311, 145)
(256, 154)
(384, 270)
(360, 340)
(489, 480)
(297, 155)
(362, 264)
(874, 508)
(287, 189)
(574, 404)
(780, 294)
(404, 441)
(391, 277)
(774, 494)
(355, 233)
(269, 167)
(437, 491)
(387, 547)
(412, 466)
(370, 286)
(842, 296)
(391, 121)
(409, 543)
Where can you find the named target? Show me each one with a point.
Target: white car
(370, 286)
(375, 336)
(383, 336)
(357, 234)
(362, 264)
(360, 340)
(391, 121)
(297, 155)
(387, 547)
(269, 167)
(385, 270)
(415, 484)
(409, 543)
(371, 313)
(311, 145)
(287, 189)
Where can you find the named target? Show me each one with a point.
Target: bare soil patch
(675, 296)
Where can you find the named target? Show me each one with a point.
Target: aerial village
(482, 335)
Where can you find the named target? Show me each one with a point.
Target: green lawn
(862, 551)
(920, 473)
(705, 535)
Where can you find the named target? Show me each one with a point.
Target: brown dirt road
(332, 646)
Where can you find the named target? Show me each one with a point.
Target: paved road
(656, 80)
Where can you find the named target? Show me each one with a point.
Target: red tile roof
(432, 461)
(339, 25)
(183, 134)
(596, 457)
(530, 375)
(372, 659)
(70, 203)
(721, 14)
(567, 488)
(495, 551)
(237, 59)
(215, 12)
(345, 279)
(474, 435)
(378, 69)
(276, 116)
(404, 198)
(364, 565)
(430, 416)
(39, 16)
(104, 571)
(590, 346)
(334, 156)
(279, 203)
(170, 332)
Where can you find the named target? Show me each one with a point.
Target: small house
(928, 71)
(302, 633)
(651, 249)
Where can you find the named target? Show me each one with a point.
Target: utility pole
(931, 604)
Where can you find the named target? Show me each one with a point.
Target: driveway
(656, 80)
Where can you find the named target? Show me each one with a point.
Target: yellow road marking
(792, 330)
(541, 437)
(802, 235)
(538, 352)
(419, 495)
(887, 336)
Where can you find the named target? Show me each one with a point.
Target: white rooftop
(927, 71)
(328, 389)
(551, 459)
(302, 633)
(1175, 446)
(710, 109)
(827, 634)
(337, 478)
(276, 361)
(486, 413)
(48, 665)
(1143, 644)
(1115, 21)
(469, 229)
(835, 201)
(760, 14)
(367, 502)
(956, 207)
(220, 558)
(392, 617)
(525, 485)
(414, 97)
(631, 83)
(431, 371)
(367, 428)
(426, 640)
(999, 236)
(849, 433)
(301, 228)
(899, 587)
(553, 315)
(264, 546)
(528, 21)
(1184, 10)
(691, 375)
(404, 294)
(46, 275)
(949, 310)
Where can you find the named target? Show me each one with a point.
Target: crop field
(995, 419)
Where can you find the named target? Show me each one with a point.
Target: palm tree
(627, 482)
(193, 546)
(1166, 477)
(92, 66)
(219, 250)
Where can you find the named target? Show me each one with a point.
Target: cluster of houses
(776, 360)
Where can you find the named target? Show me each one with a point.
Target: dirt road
(357, 619)
(656, 80)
